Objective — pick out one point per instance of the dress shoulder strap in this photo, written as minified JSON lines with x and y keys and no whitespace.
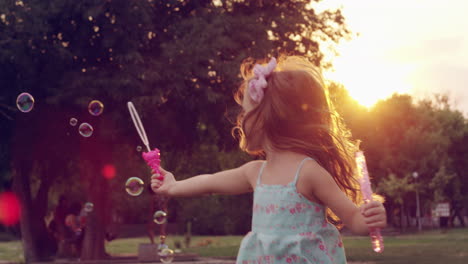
{"x":260,"y":173}
{"x":296,"y":177}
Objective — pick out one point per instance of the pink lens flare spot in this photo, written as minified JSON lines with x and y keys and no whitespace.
{"x":10,"y":209}
{"x":108,"y":171}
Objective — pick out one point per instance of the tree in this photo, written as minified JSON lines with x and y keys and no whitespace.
{"x":396,"y":190}
{"x":458,"y":189}
{"x":176,"y":60}
{"x":402,"y":137}
{"x":449,"y":182}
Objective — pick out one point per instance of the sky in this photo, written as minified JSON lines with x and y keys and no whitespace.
{"x":419,"y":47}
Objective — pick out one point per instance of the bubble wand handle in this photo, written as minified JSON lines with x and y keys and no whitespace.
{"x":152,"y":157}
{"x":364,"y":181}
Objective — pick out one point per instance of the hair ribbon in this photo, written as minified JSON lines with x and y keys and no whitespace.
{"x":258,"y":83}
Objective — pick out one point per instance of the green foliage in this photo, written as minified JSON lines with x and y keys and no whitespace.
{"x":396,"y":188}
{"x":439,"y":184}
{"x":400,"y":136}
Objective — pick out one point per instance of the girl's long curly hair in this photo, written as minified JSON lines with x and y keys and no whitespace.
{"x":297,"y":115}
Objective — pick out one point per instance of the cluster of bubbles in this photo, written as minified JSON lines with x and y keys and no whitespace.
{"x":85,"y":129}
{"x":95,"y":108}
{"x":134,"y":185}
{"x":25,"y":103}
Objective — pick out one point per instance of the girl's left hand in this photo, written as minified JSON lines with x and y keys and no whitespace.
{"x":374,"y":214}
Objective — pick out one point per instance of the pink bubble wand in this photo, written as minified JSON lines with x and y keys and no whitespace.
{"x":152,"y":157}
{"x":364,"y":181}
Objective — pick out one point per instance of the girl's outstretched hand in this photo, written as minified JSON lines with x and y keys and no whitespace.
{"x":374,"y":214}
{"x":161,"y":184}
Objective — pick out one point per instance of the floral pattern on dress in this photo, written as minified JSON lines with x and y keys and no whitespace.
{"x":289,"y":228}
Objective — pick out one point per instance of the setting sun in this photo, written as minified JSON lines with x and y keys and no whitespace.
{"x":366,"y":65}
{"x":367,"y":78}
{"x":399,"y":47}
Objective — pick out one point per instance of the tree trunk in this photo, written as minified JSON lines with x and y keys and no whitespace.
{"x":38,"y":245}
{"x":402,"y":215}
{"x":407,"y":212}
{"x":45,"y":242}
{"x":93,"y":247}
{"x":456,"y":213}
{"x":93,"y":242}
{"x":22,"y":188}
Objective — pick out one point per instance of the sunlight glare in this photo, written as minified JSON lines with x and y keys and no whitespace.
{"x":363,"y":64}
{"x":369,"y":80}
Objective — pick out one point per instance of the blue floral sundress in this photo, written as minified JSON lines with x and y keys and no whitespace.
{"x":289,"y":228}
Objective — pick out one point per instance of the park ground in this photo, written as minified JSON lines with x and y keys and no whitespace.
{"x":433,"y":246}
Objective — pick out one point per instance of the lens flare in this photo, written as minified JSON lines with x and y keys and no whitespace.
{"x":10,"y":209}
{"x":108,"y":171}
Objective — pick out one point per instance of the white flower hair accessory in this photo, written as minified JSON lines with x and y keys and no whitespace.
{"x":258,"y":83}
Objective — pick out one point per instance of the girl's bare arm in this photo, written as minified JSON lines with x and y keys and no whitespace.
{"x":234,"y":181}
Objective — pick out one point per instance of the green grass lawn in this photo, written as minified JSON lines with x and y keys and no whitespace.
{"x":11,"y":251}
{"x":427,"y":247}
{"x":209,"y":246}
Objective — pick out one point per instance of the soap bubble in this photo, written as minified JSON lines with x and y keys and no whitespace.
{"x":73,"y":121}
{"x":166,"y":255}
{"x":86,"y":130}
{"x":139,"y":148}
{"x":134,"y":186}
{"x":162,"y":246}
{"x":25,"y":102}
{"x":95,"y":107}
{"x":88,"y":207}
{"x":160,"y":217}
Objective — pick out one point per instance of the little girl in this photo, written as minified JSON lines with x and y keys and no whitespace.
{"x":308,"y":174}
